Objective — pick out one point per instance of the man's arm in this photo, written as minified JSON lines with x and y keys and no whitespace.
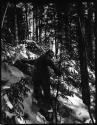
{"x":28,"y":61}
{"x":54,"y":67}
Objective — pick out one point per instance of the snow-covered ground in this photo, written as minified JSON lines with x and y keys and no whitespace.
{"x":79,"y":112}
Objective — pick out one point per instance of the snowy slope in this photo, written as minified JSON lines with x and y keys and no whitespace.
{"x":72,"y":109}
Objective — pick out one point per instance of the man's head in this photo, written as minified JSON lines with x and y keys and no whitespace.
{"x":50,"y":54}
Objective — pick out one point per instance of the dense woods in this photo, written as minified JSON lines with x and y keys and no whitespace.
{"x":29,"y":29}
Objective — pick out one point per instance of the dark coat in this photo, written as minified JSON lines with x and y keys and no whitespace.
{"x":42,"y":70}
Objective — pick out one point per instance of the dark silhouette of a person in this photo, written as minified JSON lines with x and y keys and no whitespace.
{"x":41,"y":75}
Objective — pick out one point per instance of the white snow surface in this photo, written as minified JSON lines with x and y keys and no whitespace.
{"x":80,"y":111}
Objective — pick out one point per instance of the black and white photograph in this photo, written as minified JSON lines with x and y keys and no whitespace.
{"x":48,"y":62}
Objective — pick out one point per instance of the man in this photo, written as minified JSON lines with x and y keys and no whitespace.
{"x":41,"y":76}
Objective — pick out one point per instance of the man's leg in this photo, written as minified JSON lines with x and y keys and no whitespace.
{"x":46,"y":89}
{"x":37,"y":90}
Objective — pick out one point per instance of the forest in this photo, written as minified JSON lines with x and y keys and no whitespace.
{"x":28,"y":30}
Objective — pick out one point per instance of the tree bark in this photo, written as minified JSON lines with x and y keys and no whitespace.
{"x":16,"y":27}
{"x":83,"y":58}
{"x":26,"y":7}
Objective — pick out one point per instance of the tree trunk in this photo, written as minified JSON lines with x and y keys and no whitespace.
{"x":83,"y":59}
{"x":33,"y":25}
{"x":27,"y":29}
{"x":36,"y":23}
{"x":16,"y":27}
{"x":91,"y":20}
{"x":39,"y":30}
{"x":4,"y":15}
